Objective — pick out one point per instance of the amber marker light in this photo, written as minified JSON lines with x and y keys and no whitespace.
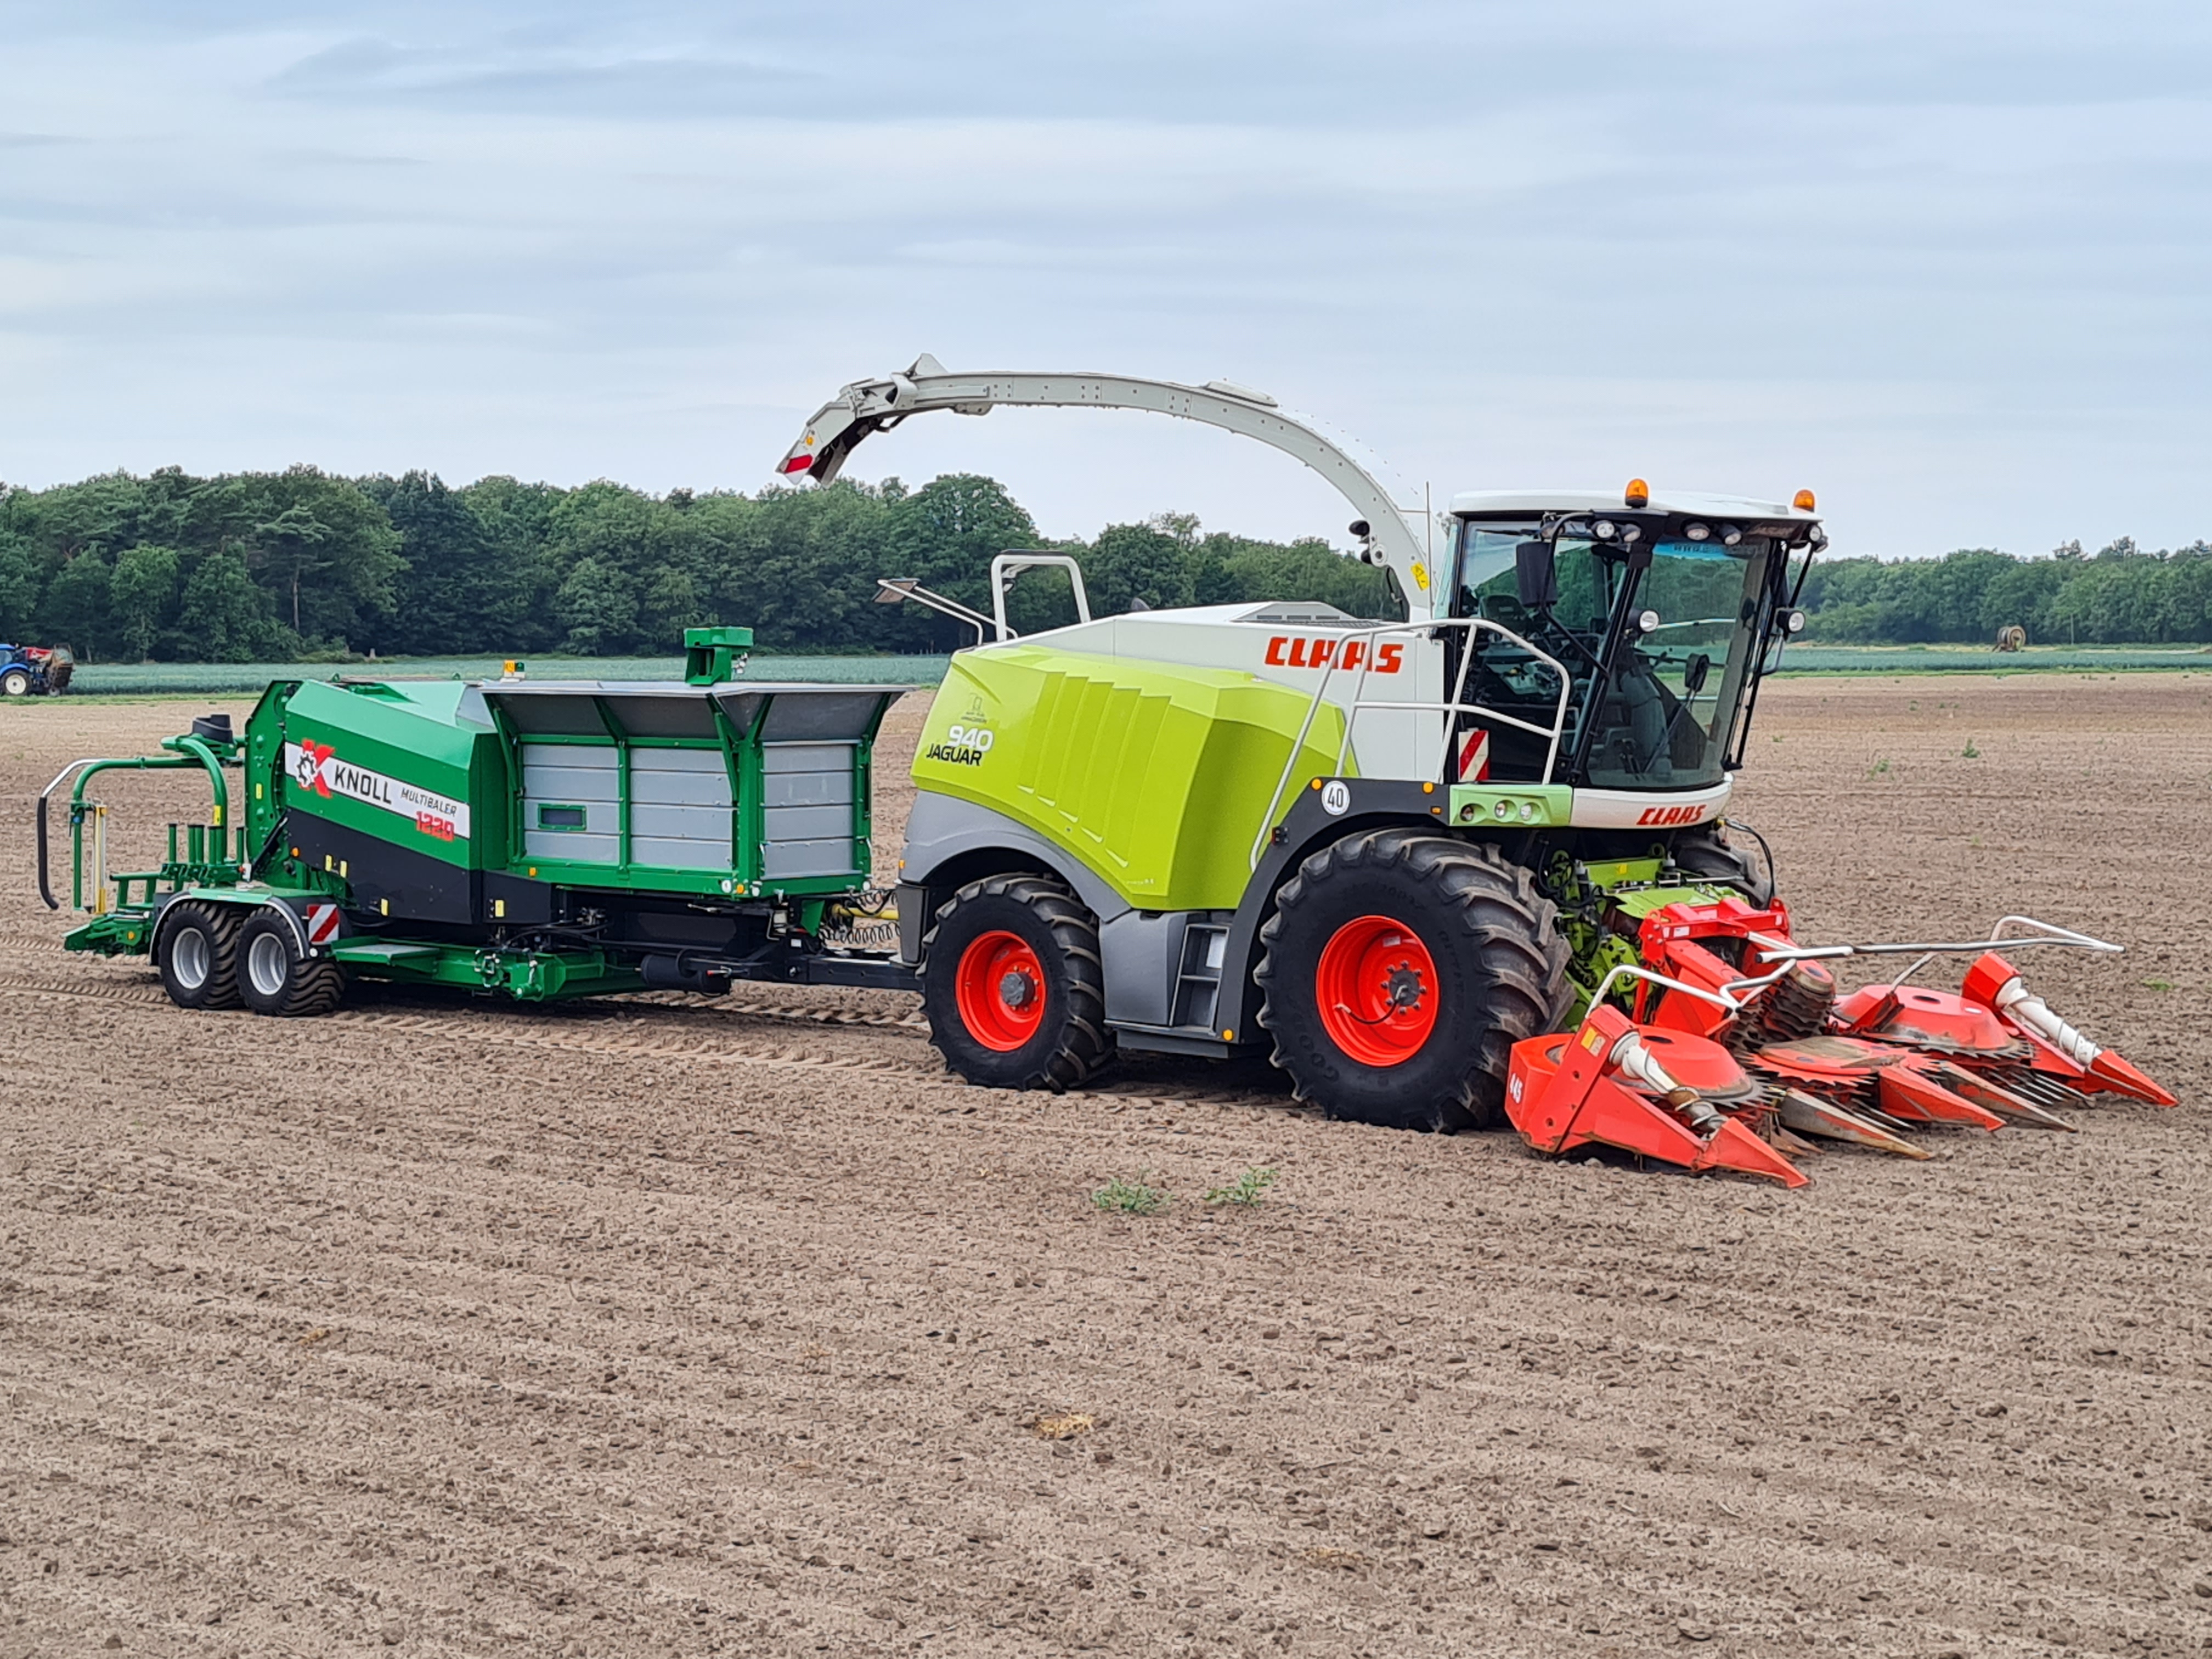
{"x":1638,"y":493}
{"x":1802,"y":500}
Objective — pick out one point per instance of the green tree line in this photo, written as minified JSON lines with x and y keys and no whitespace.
{"x":2119,"y":595}
{"x":281,"y":566}
{"x":303,"y":564}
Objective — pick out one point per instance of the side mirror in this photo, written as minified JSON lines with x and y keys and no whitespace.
{"x":1536,"y":575}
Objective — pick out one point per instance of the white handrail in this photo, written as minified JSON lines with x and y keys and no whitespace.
{"x":2049,"y":933}
{"x":1458,"y":705}
{"x":1719,"y":999}
{"x":1006,"y":566}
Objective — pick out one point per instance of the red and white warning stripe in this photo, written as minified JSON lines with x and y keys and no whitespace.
{"x":1474,"y":757}
{"x":322,"y":923}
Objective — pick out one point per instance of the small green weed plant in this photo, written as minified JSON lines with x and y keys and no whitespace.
{"x":1125,"y":1195}
{"x":1248,"y":1190}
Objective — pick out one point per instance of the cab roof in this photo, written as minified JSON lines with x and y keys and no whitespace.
{"x":1536,"y":501}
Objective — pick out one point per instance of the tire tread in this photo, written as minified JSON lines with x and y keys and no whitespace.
{"x":315,"y":984}
{"x":1705,"y":852}
{"x":319,"y":986}
{"x":1515,"y":931}
{"x":1085,"y":1046}
{"x":220,"y":923}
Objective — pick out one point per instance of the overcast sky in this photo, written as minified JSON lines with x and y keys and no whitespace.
{"x":1944,"y":262}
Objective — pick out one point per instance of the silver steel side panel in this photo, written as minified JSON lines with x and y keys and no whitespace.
{"x":680,"y":809}
{"x":572,"y":774}
{"x":1141,"y":950}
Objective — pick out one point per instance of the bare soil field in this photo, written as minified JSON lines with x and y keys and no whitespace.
{"x":435,"y":1328}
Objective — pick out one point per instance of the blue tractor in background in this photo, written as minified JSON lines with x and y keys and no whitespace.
{"x":33,"y":671}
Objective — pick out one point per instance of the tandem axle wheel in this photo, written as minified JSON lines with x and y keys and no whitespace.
{"x":220,"y":956}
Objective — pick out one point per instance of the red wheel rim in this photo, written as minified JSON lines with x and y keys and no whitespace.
{"x":1377,"y":985}
{"x":1000,"y":989}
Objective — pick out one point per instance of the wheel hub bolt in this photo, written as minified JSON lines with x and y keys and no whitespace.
{"x":1403,"y":988}
{"x":1017,"y":990}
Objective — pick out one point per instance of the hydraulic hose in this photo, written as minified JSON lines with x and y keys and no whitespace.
{"x":46,"y":886}
{"x":45,"y":891}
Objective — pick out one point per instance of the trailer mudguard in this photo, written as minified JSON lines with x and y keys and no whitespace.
{"x":315,"y":919}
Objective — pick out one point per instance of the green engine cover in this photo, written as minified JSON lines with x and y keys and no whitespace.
{"x":1156,"y":777}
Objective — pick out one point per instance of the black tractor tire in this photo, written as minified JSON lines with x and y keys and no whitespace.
{"x":196,"y":952}
{"x":1705,"y":852}
{"x":1013,"y":985}
{"x":1491,"y":941}
{"x":275,"y":979}
{"x":16,"y":682}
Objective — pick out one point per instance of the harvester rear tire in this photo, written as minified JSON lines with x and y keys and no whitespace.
{"x":1471,"y":922}
{"x":275,"y":979}
{"x":16,"y":682}
{"x":196,"y":952}
{"x":1033,"y":935}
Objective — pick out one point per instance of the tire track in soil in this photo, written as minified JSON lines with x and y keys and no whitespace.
{"x":500,"y":1031}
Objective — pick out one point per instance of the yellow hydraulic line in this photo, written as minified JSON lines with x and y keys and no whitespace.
{"x":99,"y":859}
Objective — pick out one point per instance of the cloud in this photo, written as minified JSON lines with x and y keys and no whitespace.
{"x":549,"y":78}
{"x":1942,"y":261}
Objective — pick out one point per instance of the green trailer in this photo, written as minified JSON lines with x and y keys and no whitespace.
{"x":540,"y":839}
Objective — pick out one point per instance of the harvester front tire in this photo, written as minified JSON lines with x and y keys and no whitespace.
{"x":275,"y":979}
{"x":1014,"y":988}
{"x":196,"y":952}
{"x":1460,"y":935}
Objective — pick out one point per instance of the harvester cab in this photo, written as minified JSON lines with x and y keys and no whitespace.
{"x":1432,"y":863}
{"x":1656,"y":617}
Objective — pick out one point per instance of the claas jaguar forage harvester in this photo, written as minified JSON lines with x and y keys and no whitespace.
{"x":1467,"y":864}
{"x":1461,"y":866}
